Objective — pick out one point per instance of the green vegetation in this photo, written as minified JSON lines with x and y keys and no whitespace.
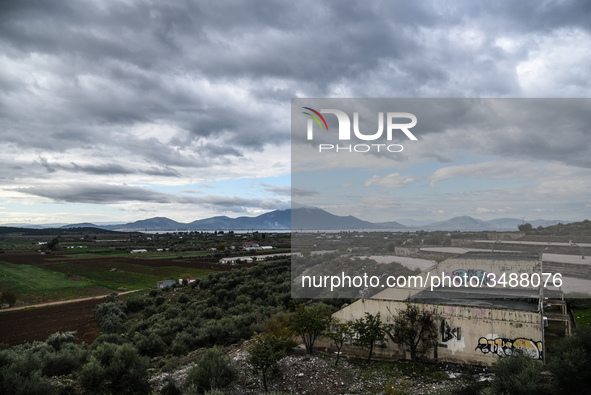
{"x":415,"y":327}
{"x":214,"y":371}
{"x":33,"y":284}
{"x":570,"y":361}
{"x":264,"y":355}
{"x":567,"y":370}
{"x":370,"y":330}
{"x":115,"y":369}
{"x":579,"y":229}
{"x":127,"y":276}
{"x":162,"y":330}
{"x":218,"y":309}
{"x":339,"y":333}
{"x":310,"y":323}
{"x":581,"y":308}
{"x":519,"y":374}
{"x":59,"y":281}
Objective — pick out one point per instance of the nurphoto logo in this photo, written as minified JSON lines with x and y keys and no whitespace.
{"x":344,"y":133}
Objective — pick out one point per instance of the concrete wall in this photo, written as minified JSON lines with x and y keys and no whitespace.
{"x":467,"y":334}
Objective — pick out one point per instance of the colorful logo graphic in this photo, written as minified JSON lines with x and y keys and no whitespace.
{"x":315,"y":118}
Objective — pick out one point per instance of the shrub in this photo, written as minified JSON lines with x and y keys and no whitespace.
{"x":518,"y":374}
{"x":128,"y":372}
{"x":135,"y":305}
{"x":151,"y":345}
{"x":65,"y":361}
{"x":108,"y":338}
{"x":111,"y":315}
{"x":182,"y":344}
{"x":570,"y":361}
{"x":170,"y":389}
{"x":115,"y":369}
{"x":93,"y":377}
{"x":32,"y":383}
{"x":310,"y":323}
{"x":113,"y":297}
{"x":264,"y":355}
{"x":57,"y":339}
{"x":20,"y":374}
{"x":213,"y":371}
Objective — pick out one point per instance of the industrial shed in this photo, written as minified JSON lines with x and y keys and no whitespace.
{"x":476,"y":325}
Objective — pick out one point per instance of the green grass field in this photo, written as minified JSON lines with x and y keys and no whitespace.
{"x":33,"y":284}
{"x":60,"y":281}
{"x":128,"y":276}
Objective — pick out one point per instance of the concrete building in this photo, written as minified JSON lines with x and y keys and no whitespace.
{"x":235,"y":260}
{"x":165,"y":283}
{"x":477,"y":324}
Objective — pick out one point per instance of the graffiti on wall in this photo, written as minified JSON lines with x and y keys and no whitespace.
{"x":450,"y":336}
{"x":504,"y":347}
{"x":448,"y":333}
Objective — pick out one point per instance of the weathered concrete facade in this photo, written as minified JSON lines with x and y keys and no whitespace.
{"x":473,"y":327}
{"x":467,"y":334}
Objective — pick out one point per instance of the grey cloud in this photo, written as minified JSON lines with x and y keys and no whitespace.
{"x":113,"y":194}
{"x":95,"y":193}
{"x":229,"y":202}
{"x":520,"y":129}
{"x":106,"y":169}
{"x":277,"y":190}
{"x":288,"y":190}
{"x":91,"y":70}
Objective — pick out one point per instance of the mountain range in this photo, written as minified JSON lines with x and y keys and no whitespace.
{"x":311,"y":218}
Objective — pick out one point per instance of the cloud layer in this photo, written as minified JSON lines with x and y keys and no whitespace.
{"x":117,"y":103}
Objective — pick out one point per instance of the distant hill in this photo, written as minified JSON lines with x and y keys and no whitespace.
{"x":53,"y":231}
{"x":312,"y":218}
{"x":33,"y":226}
{"x":461,"y":223}
{"x":391,"y":225}
{"x":81,"y":225}
{"x":150,"y":224}
{"x":274,"y":220}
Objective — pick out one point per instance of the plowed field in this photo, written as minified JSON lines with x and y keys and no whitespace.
{"x":22,"y":326}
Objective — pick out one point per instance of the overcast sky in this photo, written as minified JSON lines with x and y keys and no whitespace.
{"x":114,"y":111}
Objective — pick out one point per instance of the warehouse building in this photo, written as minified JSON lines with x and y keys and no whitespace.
{"x":476,"y":324}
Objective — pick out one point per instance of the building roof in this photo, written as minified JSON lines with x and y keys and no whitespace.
{"x":507,"y":298}
{"x":500,"y":256}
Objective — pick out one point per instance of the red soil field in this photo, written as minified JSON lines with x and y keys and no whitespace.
{"x":22,"y":326}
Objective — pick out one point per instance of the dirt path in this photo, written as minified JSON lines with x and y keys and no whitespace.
{"x":59,"y":302}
